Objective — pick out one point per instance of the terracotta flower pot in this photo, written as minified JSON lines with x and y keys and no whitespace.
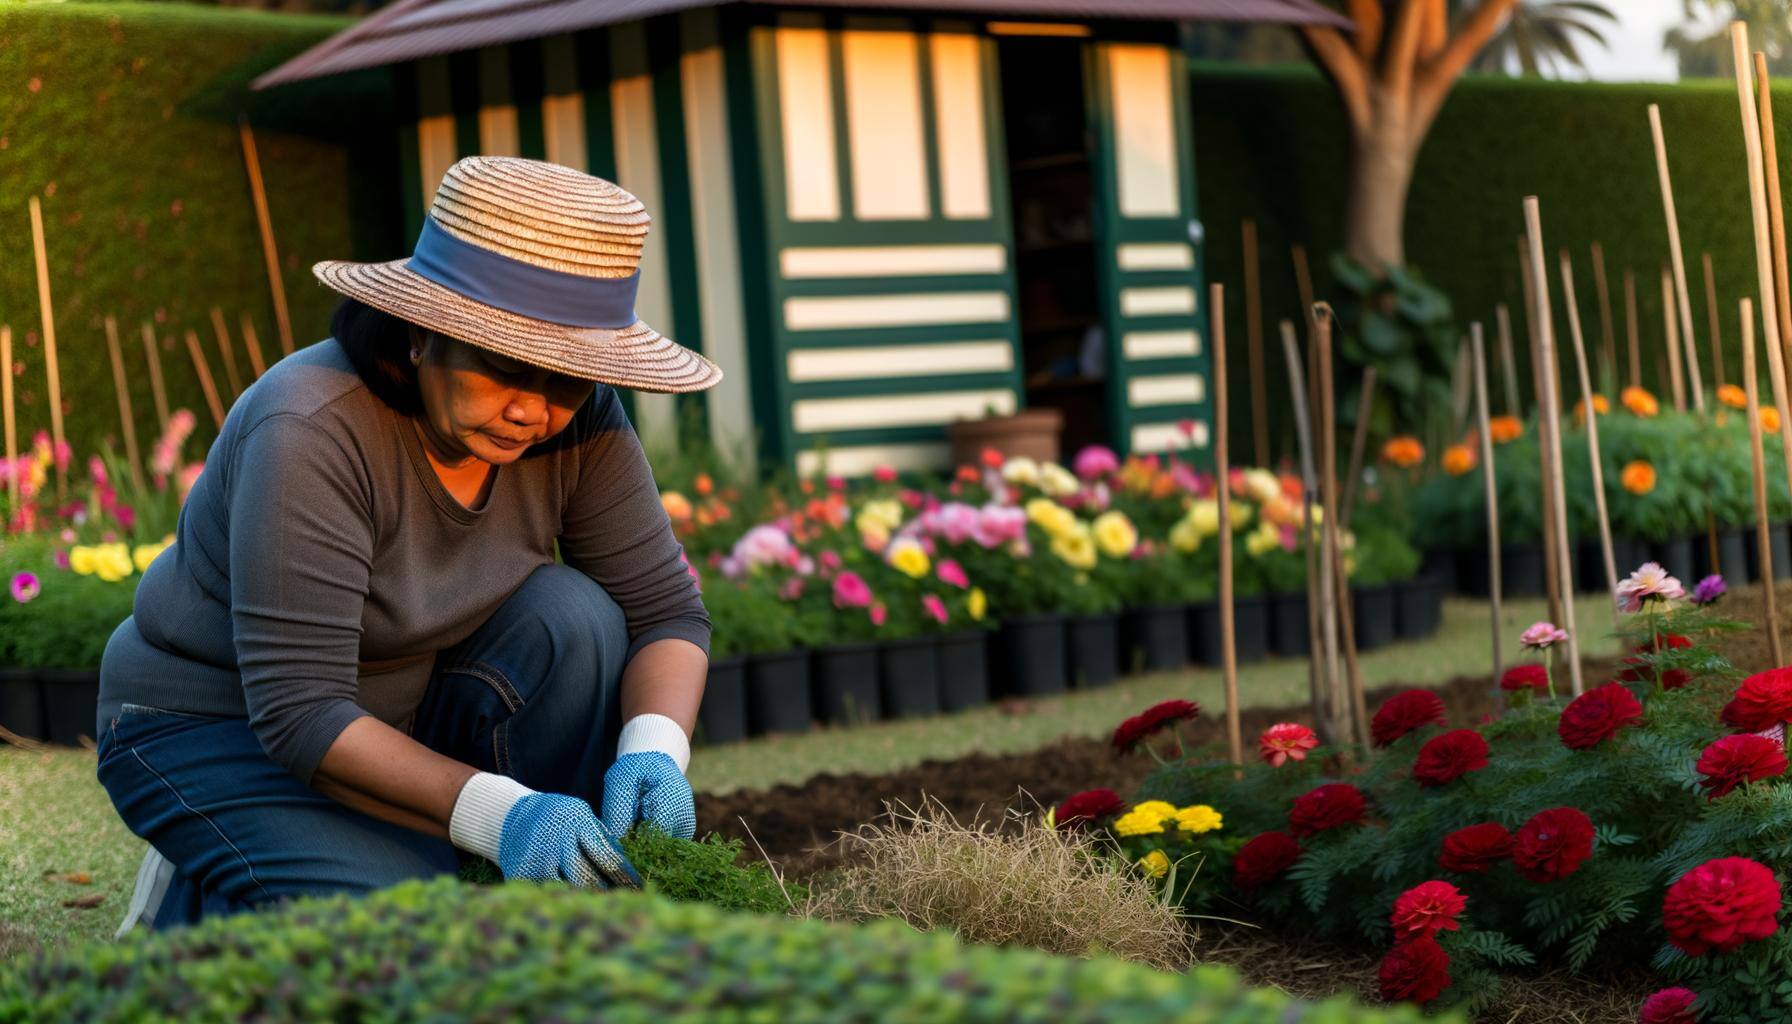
{"x":1032,"y":433}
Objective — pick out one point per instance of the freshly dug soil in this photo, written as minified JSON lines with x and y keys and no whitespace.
{"x":797,"y":825}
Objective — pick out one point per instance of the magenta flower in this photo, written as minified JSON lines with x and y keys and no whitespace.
{"x":830,"y":561}
{"x":791,"y":589}
{"x":61,"y":559}
{"x":25,"y":586}
{"x":999,"y":524}
{"x":884,"y":474}
{"x":1095,"y":462}
{"x":1709,"y":589}
{"x":935,"y":607}
{"x":1543,"y":635}
{"x":878,"y":615}
{"x":951,"y":572}
{"x":1650,"y":582}
{"x":851,"y":591}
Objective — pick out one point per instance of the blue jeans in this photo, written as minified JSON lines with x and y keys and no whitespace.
{"x":532,"y":694}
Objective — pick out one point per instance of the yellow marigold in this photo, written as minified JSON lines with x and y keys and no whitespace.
{"x":1051,"y":517}
{"x":1639,"y":402}
{"x":1458,"y":459}
{"x":1114,"y":534}
{"x":1404,"y":451}
{"x":1146,"y":819}
{"x":1638,"y":477}
{"x":1204,"y":516}
{"x":885,"y":512}
{"x":1770,"y":419}
{"x":909,"y":558}
{"x":1076,"y":547}
{"x":1263,"y":539}
{"x":1198,"y":819}
{"x":977,"y":604}
{"x":1057,"y":481}
{"x":677,"y":506}
{"x":113,"y":562}
{"x":1600,"y":407}
{"x":1505,"y":429}
{"x":1184,"y":537}
{"x":143,"y":554}
{"x":1155,"y":864}
{"x":1732,"y":396}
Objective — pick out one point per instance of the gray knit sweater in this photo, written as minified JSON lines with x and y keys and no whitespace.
{"x":320,"y":564}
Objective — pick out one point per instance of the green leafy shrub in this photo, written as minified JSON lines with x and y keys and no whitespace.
{"x":708,"y":871}
{"x":443,"y":951}
{"x":68,"y":623}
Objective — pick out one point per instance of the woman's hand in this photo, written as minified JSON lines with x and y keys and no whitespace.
{"x":538,"y":836}
{"x":647,"y":781}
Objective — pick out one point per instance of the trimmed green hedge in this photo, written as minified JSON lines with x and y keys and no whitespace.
{"x":443,"y":951}
{"x":121,"y":118}
{"x":1271,"y":144}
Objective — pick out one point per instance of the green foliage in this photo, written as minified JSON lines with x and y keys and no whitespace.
{"x":450,"y":952}
{"x":707,"y":872}
{"x":68,"y":623}
{"x":1404,"y":327}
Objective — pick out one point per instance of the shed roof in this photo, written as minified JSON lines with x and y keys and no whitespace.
{"x":412,"y":29}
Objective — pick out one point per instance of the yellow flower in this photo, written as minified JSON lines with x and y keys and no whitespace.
{"x":1115,"y":534}
{"x":1053,"y":518}
{"x":1145,"y":819}
{"x":873,"y":535}
{"x":113,"y":562}
{"x":1262,"y":485}
{"x":1198,"y":819}
{"x":909,"y":558}
{"x":977,"y":603}
{"x":1057,"y":481}
{"x":1184,"y":537}
{"x":885,"y":512}
{"x":1205,"y":515}
{"x":1076,"y":547}
{"x":1155,"y":864}
{"x":83,"y":559}
{"x":1263,"y":540}
{"x":1021,"y":470}
{"x":143,"y":554}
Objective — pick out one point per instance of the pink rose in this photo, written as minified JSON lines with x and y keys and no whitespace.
{"x":951,"y":572}
{"x":935,"y":607}
{"x":851,"y":591}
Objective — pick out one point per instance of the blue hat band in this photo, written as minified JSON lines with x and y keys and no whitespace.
{"x":522,"y":288}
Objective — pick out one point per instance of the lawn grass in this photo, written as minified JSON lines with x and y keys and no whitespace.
{"x":58,"y":820}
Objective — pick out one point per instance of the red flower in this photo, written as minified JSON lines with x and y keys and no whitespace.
{"x":1088,"y":807}
{"x":1285,"y":741}
{"x":1263,"y":859}
{"x":1665,"y":642}
{"x":1552,"y":844}
{"x":1669,"y":1006}
{"x":1476,"y":848}
{"x":1426,"y":909}
{"x":1720,"y":905}
{"x":1734,"y":760}
{"x":1525,"y":677}
{"x":1450,"y":756}
{"x":1763,"y":701}
{"x":1136,"y":729}
{"x":1418,"y":970}
{"x":1405,"y":712}
{"x":1597,"y":715}
{"x":1329,"y":806}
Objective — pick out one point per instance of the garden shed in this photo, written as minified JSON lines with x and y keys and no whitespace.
{"x":878,"y":220}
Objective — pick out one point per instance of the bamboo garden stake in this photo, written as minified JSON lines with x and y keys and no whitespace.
{"x":205,"y":378}
{"x":1632,"y":331}
{"x":1303,"y":433}
{"x":1776,"y":210}
{"x":1353,"y":672}
{"x":1328,"y":496}
{"x":1763,"y":536}
{"x":51,"y":368}
{"x":1216,"y":310}
{"x":125,"y":418}
{"x":1586,"y":396}
{"x":1551,"y":580}
{"x":1303,"y":282}
{"x":1671,"y":336}
{"x":12,"y":429}
{"x":154,"y":356}
{"x":1717,"y":335}
{"x":1608,"y":341}
{"x":1508,"y":364}
{"x":270,"y":256}
{"x":1253,"y":339}
{"x":253,"y":344}
{"x":229,"y":354}
{"x":1679,"y":260}
{"x":1552,"y":412}
{"x":1492,"y":489}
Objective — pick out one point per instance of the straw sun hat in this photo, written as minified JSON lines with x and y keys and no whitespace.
{"x":538,"y":262}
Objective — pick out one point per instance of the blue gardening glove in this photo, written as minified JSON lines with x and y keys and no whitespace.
{"x":538,"y":836}
{"x":647,"y":781}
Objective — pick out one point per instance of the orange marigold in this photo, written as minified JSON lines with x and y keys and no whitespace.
{"x":1732,"y":396}
{"x":1639,"y":402}
{"x":1600,"y":406}
{"x":703,"y":485}
{"x":1458,"y":459}
{"x":1770,"y":419}
{"x":677,"y":506}
{"x":1638,"y":477}
{"x":1404,"y":451}
{"x":1505,"y":429}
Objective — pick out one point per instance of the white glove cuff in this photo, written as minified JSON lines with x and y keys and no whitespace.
{"x":655,"y":733}
{"x":479,"y":812}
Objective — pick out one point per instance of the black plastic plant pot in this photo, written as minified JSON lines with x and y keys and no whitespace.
{"x":911,"y":676}
{"x":722,"y":718}
{"x":1288,"y":625}
{"x":845,"y":682}
{"x":71,"y":699}
{"x":1373,"y":611}
{"x":964,"y":670}
{"x":1676,"y":555}
{"x":778,"y":692}
{"x":1156,"y":637}
{"x":1779,"y":535}
{"x":22,"y":703}
{"x":1521,"y":570}
{"x":1095,"y":649}
{"x":1419,"y":607}
{"x":1030,"y":653}
{"x":1441,"y":563}
{"x":1250,"y":624}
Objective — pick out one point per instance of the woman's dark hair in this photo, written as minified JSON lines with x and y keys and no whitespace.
{"x":379,"y":345}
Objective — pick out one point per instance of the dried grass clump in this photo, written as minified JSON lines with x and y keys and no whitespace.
{"x":1031,"y":886}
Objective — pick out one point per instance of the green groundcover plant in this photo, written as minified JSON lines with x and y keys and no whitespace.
{"x":445,"y":951}
{"x":1641,"y":822}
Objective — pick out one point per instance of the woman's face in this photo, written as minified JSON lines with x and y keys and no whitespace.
{"x":487,"y":406}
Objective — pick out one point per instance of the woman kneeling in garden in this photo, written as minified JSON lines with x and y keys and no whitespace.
{"x":361,"y":653}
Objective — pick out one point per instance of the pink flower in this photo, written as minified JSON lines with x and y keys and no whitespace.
{"x":25,"y":586}
{"x":955,"y":521}
{"x":763,"y":545}
{"x":998,"y":525}
{"x":61,"y":559}
{"x":935,"y":607}
{"x":1284,"y":742}
{"x":836,"y":483}
{"x":884,"y":474}
{"x":188,"y":477}
{"x":791,"y":589}
{"x":1650,"y":582}
{"x":878,"y":615}
{"x":1095,"y":462}
{"x":1187,"y":427}
{"x":1543,"y":635}
{"x":953,"y":573}
{"x":830,"y":561}
{"x":851,"y":591}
